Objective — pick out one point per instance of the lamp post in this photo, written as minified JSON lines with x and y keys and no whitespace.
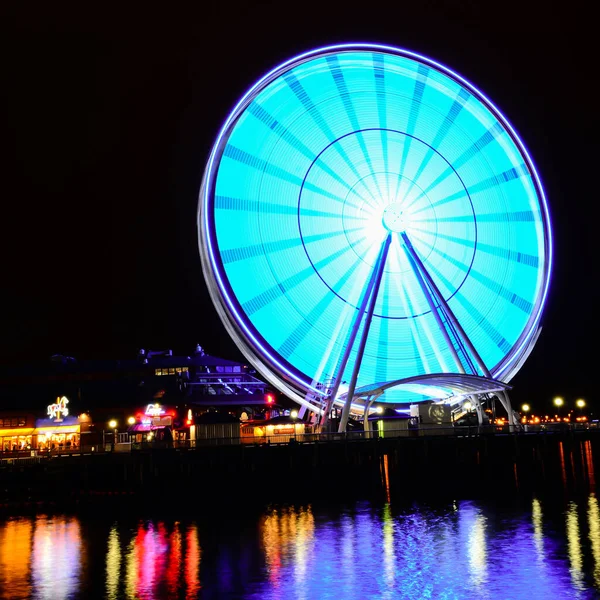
{"x":113,"y":425}
{"x":558,"y":402}
{"x":580,"y":403}
{"x":525,"y":408}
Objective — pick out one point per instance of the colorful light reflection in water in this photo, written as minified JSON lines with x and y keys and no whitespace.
{"x":458,"y":550}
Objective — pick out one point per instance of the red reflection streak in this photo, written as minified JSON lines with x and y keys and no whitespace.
{"x":160,"y":548}
{"x":140,"y":554}
{"x":192,"y":563}
{"x":150,"y":546}
{"x":590,"y":463}
{"x":562,"y":463}
{"x":174,"y":564}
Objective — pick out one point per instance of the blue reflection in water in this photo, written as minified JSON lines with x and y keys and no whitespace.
{"x":452,"y":553}
{"x":460,"y":550}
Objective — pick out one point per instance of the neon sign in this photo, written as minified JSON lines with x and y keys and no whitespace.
{"x":155,"y":410}
{"x":59,"y":408}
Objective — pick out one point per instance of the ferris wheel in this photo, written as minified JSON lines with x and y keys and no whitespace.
{"x":369,"y":219}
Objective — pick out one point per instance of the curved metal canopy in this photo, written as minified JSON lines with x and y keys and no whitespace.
{"x":442,"y":386}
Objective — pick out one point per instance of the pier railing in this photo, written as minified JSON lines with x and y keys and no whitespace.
{"x":34,"y":456}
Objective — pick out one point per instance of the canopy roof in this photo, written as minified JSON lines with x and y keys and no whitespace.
{"x":435,"y":386}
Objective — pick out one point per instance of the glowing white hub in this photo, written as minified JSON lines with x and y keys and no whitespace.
{"x":393,"y":217}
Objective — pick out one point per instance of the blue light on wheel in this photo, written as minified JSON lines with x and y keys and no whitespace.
{"x":319,"y":161}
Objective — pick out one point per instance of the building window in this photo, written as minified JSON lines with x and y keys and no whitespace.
{"x":171,"y":371}
{"x":13,"y":422}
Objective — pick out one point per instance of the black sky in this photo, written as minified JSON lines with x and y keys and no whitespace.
{"x":109,"y":116}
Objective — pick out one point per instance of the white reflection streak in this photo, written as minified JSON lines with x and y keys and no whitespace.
{"x":538,"y":534}
{"x":303,"y":543}
{"x":477,"y":551}
{"x":113,"y":564}
{"x":56,"y":558}
{"x":594,"y":534}
{"x":304,"y":537}
{"x":389,"y":556}
{"x":574,"y":546}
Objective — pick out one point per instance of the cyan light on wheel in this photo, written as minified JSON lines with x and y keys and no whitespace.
{"x":322,"y":161}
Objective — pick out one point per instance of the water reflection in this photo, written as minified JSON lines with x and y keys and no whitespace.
{"x":15,"y":550}
{"x":113,"y":564}
{"x":288,"y":531}
{"x":574,"y":545}
{"x":474,"y":521}
{"x":594,"y":534}
{"x":56,"y":558}
{"x":456,"y":550}
{"x":192,"y":563}
{"x":538,"y":534}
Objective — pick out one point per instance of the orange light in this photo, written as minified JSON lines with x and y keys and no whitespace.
{"x":270,"y":398}
{"x":188,"y":421}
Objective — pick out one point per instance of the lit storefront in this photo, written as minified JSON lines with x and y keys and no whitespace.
{"x":57,"y":432}
{"x":277,"y":430}
{"x":154,"y":422}
{"x":16,"y":431}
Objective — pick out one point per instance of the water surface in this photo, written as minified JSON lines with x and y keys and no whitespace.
{"x":458,"y":549}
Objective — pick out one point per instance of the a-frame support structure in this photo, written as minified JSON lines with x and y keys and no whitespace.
{"x":464,"y":354}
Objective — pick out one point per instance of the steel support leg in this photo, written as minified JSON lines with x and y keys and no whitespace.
{"x":365,"y":334}
{"x":478,"y":408}
{"x":505,"y":400}
{"x":355,"y":327}
{"x":433,"y":307}
{"x":447,"y":310}
{"x":367,"y":425}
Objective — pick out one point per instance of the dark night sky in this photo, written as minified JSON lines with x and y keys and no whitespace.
{"x":110,"y":116}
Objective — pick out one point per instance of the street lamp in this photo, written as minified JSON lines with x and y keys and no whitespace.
{"x":131,"y":420}
{"x":580,"y":403}
{"x":294,"y":414}
{"x":558,"y":402}
{"x":525,"y":408}
{"x":113,"y":425}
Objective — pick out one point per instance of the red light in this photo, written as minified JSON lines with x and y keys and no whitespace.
{"x":270,"y":398}
{"x":188,"y":421}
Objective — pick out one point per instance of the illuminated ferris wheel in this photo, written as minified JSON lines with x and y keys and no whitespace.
{"x":368,"y":218}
